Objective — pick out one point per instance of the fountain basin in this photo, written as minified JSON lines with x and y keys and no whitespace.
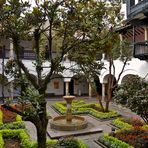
{"x":60,"y":123}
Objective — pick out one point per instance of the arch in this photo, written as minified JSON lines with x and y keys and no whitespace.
{"x":98,"y":85}
{"x":106,"y":81}
{"x":103,"y":75}
{"x":126,"y":77}
{"x":106,"y":77}
{"x":127,"y":72}
{"x":79,"y":85}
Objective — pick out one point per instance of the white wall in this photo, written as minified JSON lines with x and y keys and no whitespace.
{"x":6,"y":91}
{"x":51,"y":90}
{"x":135,"y":67}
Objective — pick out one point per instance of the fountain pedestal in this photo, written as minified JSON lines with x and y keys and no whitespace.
{"x":68,"y":122}
{"x":69,"y":111}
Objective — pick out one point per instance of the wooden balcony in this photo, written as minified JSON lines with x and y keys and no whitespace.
{"x":141,"y":50}
{"x":138,"y":12}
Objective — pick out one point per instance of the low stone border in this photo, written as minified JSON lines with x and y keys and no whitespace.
{"x":100,"y":144}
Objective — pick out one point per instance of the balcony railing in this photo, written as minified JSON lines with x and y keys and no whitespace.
{"x":26,"y":54}
{"x":141,"y":50}
{"x":141,"y":7}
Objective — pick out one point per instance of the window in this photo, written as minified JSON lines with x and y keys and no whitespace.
{"x":56,"y":84}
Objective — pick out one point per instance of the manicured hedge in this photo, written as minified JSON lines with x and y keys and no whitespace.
{"x":119,"y":123}
{"x":112,"y":142}
{"x":86,"y":109}
{"x":24,"y":138}
{"x":145,"y":127}
{"x":70,"y":142}
{"x":27,"y":143}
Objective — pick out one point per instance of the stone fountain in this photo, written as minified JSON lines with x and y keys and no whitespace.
{"x":68,"y":122}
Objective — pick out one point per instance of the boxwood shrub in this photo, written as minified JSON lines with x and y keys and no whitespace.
{"x":119,"y":123}
{"x":112,"y":142}
{"x":27,"y":143}
{"x":71,"y":142}
{"x":86,"y":109}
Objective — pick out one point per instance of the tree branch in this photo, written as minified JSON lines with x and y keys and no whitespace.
{"x":28,"y":75}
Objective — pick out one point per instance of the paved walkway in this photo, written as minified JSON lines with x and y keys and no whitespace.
{"x":89,"y":138}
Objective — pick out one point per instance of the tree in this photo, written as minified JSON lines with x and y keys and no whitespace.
{"x":67,"y":25}
{"x":133,"y":93}
{"x":103,"y":38}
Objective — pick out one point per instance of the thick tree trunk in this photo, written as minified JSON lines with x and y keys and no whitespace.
{"x":41,"y":136}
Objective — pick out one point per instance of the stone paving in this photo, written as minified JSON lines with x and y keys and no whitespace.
{"x":90,"y":136}
{"x":93,"y":127}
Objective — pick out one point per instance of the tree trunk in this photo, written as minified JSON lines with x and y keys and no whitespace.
{"x":109,"y":97}
{"x":41,"y":136}
{"x":42,"y":124}
{"x":107,"y":106}
{"x":100,"y":102}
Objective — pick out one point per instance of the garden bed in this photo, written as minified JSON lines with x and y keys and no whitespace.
{"x":17,"y":124}
{"x":79,"y":107}
{"x":128,"y":123}
{"x":12,"y":143}
{"x":112,"y":142}
{"x":132,"y":133}
{"x":22,"y":140}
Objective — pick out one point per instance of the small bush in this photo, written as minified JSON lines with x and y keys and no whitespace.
{"x":113,"y":142}
{"x":119,"y":123}
{"x":70,"y":142}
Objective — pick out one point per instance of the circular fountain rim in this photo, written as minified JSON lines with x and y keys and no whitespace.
{"x":68,"y":127}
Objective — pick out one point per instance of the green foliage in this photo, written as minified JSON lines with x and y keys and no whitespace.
{"x":1,"y":117}
{"x":32,"y":98}
{"x":71,"y":142}
{"x":145,"y":127}
{"x":84,"y":108}
{"x":72,"y":25}
{"x":1,"y":141}
{"x":24,"y":137}
{"x":14,"y":125}
{"x":113,"y":142}
{"x":135,"y":136}
{"x":121,"y":124}
{"x":134,"y":94}
{"x":27,"y":143}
